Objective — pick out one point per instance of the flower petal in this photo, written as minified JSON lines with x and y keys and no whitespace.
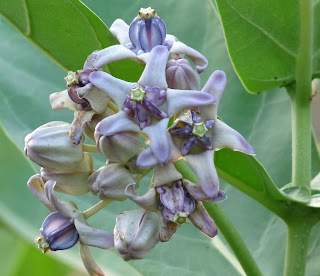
{"x":110,"y":54}
{"x":61,"y":100}
{"x":180,"y":99}
{"x":165,"y":174}
{"x":159,"y":140}
{"x":146,"y":159}
{"x":168,"y":228}
{"x":64,"y":208}
{"x":201,"y":219}
{"x":35,"y":185}
{"x":154,"y":73}
{"x":120,"y":29}
{"x":214,"y":86}
{"x":94,"y":237}
{"x":203,"y":166}
{"x":116,"y":123}
{"x":198,"y":59}
{"x":226,"y":137}
{"x":115,"y":88}
{"x":148,"y":201}
{"x":197,"y":193}
{"x":97,"y":99}
{"x":77,"y":125}
{"x":88,"y":261}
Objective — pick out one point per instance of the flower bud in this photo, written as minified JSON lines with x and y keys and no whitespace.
{"x":89,"y":127}
{"x":57,"y":233}
{"x":135,"y":234}
{"x":110,"y":182}
{"x":146,"y":31}
{"x":74,"y":182}
{"x":49,"y":146}
{"x":120,"y":147}
{"x":180,"y":75}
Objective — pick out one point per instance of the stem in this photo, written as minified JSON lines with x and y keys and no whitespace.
{"x":234,"y":239}
{"x":297,"y":248}
{"x":96,"y":208}
{"x":90,"y":148}
{"x":301,"y":105}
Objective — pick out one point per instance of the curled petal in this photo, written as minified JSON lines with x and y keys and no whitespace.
{"x":76,"y":127}
{"x":120,"y":29}
{"x":97,"y":99}
{"x":226,"y":137}
{"x":180,"y":99}
{"x":159,"y":140}
{"x":110,"y":54}
{"x":167,"y":229}
{"x":201,"y":219}
{"x":94,"y":237}
{"x":64,"y":208}
{"x":187,"y":144}
{"x":205,"y":142}
{"x":88,"y":261}
{"x":203,"y":166}
{"x":154,"y":109}
{"x":35,"y":185}
{"x":61,"y":100}
{"x":115,"y":88}
{"x":116,"y":123}
{"x":154,"y":72}
{"x":197,"y":193}
{"x":148,"y":201}
{"x":198,"y":59}
{"x":214,"y":86}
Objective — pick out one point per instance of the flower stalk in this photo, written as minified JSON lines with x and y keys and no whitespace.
{"x":96,"y":208}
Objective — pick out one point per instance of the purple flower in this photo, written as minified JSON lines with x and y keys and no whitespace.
{"x":173,"y":203}
{"x":136,"y":41}
{"x":66,"y":225}
{"x":195,"y":137}
{"x":147,"y":105}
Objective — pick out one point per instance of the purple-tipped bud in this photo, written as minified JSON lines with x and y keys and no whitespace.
{"x":120,"y":147}
{"x":181,"y":75}
{"x":57,"y":233}
{"x":73,"y":182}
{"x":110,"y":182}
{"x":50,"y":147}
{"x":135,"y":234}
{"x":146,"y":31}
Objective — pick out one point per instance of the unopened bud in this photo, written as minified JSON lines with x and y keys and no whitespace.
{"x":146,"y":31}
{"x":57,"y":233}
{"x":110,"y":182}
{"x":120,"y":147}
{"x":74,"y":182}
{"x":135,"y":234}
{"x":180,"y":75}
{"x":89,"y":127}
{"x":50,"y":147}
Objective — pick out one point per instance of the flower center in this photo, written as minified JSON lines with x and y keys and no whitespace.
{"x":181,"y":217}
{"x":72,"y":78}
{"x":42,"y":244}
{"x":146,"y":13}
{"x":138,"y":94}
{"x":199,"y":129}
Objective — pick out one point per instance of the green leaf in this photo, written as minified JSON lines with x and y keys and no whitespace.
{"x":265,"y":56}
{"x":263,"y":120}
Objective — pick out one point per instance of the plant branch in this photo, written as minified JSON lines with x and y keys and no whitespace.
{"x":90,"y":148}
{"x":234,"y":239}
{"x":301,"y":105}
{"x":96,"y":208}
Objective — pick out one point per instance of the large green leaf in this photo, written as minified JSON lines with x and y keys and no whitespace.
{"x":263,"y":120}
{"x":263,"y":40}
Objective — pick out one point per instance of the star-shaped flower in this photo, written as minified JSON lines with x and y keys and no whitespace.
{"x":146,"y":106}
{"x":198,"y":151}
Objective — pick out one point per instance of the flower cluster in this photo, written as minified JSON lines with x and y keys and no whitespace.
{"x":163,"y":118}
